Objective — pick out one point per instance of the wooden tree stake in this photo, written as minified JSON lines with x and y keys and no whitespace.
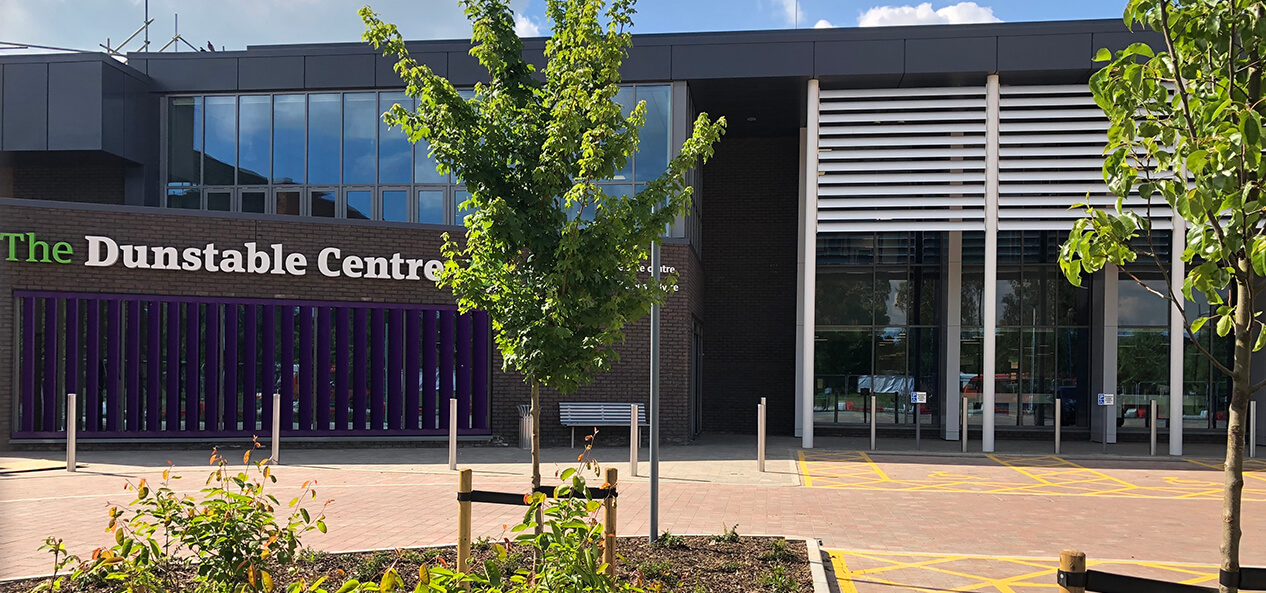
{"x":1072,"y":561}
{"x":608,"y":521}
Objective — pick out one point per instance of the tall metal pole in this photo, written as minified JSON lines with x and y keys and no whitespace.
{"x":988,"y":349}
{"x":654,"y":412}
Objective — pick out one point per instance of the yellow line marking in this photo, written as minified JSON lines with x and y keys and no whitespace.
{"x":841,"y":572}
{"x":804,"y":470}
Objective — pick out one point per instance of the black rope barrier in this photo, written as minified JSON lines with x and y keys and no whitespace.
{"x":519,"y":499}
{"x":1247,"y":579}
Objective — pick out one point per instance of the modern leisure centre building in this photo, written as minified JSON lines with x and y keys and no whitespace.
{"x":186,"y":234}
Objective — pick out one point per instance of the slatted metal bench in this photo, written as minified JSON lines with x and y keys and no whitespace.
{"x":575,"y":414}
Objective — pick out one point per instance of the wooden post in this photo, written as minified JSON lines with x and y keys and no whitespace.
{"x":464,"y":486}
{"x":1072,"y":561}
{"x":608,"y":521}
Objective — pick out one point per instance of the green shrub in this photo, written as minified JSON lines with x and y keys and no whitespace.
{"x":670,"y":541}
{"x":777,"y":581}
{"x":373,"y":566}
{"x":658,"y":570}
{"x":728,"y":535}
{"x":779,"y":551}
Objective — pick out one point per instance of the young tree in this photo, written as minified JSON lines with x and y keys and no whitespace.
{"x":548,"y":253}
{"x":1186,"y":128}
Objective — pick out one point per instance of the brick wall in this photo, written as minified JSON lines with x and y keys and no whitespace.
{"x":628,"y":381}
{"x":92,"y":183}
{"x":750,"y":212}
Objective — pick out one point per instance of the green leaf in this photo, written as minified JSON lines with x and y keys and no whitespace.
{"x":1198,"y":323}
{"x":1261,"y":340}
{"x":1103,"y":55}
{"x":1196,"y":160}
{"x":1226,"y":323}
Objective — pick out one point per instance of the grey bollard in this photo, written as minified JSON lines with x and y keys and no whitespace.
{"x":72,"y":430}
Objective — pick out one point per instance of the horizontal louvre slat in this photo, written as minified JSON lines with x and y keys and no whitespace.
{"x":901,"y":202}
{"x":973,"y":140}
{"x":888,"y":105}
{"x":1054,"y":114}
{"x":900,"y":165}
{"x":1072,"y":163}
{"x":1051,"y":126}
{"x":1099,"y":140}
{"x":900,"y":190}
{"x":898,"y":214}
{"x":1084,"y":175}
{"x":1092,"y":151}
{"x":901,"y":154}
{"x":901,"y":225}
{"x":902,"y":178}
{"x":890,"y":130}
{"x":1068,"y":100}
{"x":900,"y":116}
{"x":1044,"y":89}
{"x":953,"y":91}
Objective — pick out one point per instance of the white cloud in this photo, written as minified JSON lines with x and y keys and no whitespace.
{"x":923,"y":14}
{"x":524,"y":27}
{"x":823,"y":24}
{"x":789,"y":10}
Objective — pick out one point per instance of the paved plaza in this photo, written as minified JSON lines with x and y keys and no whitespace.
{"x":928,"y":520}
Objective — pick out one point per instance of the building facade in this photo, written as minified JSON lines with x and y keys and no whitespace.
{"x":187,"y":234}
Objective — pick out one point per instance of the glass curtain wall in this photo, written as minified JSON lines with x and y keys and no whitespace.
{"x":877,"y":316}
{"x":329,"y":155}
{"x":1043,"y":333}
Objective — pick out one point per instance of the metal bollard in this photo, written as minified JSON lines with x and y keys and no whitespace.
{"x":1059,"y":422}
{"x":635,"y":439}
{"x":873,"y":414}
{"x":452,"y":434}
{"x":1152,"y":422}
{"x":72,"y":430}
{"x":760,"y":436}
{"x":963,"y":438}
{"x":276,"y":428}
{"x":1252,"y":429}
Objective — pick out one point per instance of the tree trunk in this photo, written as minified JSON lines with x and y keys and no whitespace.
{"x":536,"y":446}
{"x":1241,"y":379}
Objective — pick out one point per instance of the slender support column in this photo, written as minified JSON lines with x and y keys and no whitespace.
{"x":72,"y":430}
{"x":760,"y":436}
{"x":1059,"y":423}
{"x":634,"y":439}
{"x":653,"y":415}
{"x":276,"y":428}
{"x":987,"y":408}
{"x":452,"y":434}
{"x":1177,"y":340}
{"x":964,"y":434}
{"x":953,"y":334}
{"x":1151,"y":421}
{"x":1103,"y":352}
{"x":800,"y":293}
{"x":873,"y":415}
{"x":809,"y":247}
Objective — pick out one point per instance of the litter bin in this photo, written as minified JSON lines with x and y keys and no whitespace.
{"x":525,"y":426}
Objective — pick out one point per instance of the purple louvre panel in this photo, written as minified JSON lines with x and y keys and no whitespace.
{"x":447,"y":370}
{"x":92,"y":366}
{"x":230,"y":368}
{"x":323,"y":369}
{"x":377,"y":364}
{"x":342,"y":349}
{"x":172,"y":366}
{"x":268,"y":378}
{"x":463,"y":370}
{"x":211,"y":371}
{"x":154,"y":366}
{"x":72,"y":353}
{"x":250,"y":358}
{"x":27,"y":420}
{"x":113,"y":336}
{"x":412,"y":378}
{"x":305,"y":369}
{"x":132,"y":366}
{"x":359,"y":380}
{"x":48,"y":420}
{"x":430,"y":371}
{"x":479,"y":370}
{"x":286,"y":344}
{"x":395,"y":359}
{"x":193,"y":398}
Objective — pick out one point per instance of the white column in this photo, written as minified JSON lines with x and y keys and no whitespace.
{"x":991,"y":262}
{"x":809,"y":246}
{"x":1176,"y":342}
{"x":800,"y":378}
{"x":1103,"y":352}
{"x":952,"y":393}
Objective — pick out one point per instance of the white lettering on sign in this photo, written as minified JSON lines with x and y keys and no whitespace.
{"x":104,"y":252}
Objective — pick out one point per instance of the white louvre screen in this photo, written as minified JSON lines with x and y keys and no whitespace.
{"x":901,"y":159}
{"x":1051,"y":157}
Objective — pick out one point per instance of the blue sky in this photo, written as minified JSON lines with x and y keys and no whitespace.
{"x":234,"y":24}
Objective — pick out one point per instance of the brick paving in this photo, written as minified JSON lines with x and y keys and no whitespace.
{"x":404,"y":497}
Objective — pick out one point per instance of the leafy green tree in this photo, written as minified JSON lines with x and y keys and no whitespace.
{"x":554,"y":259}
{"x":1186,"y":128}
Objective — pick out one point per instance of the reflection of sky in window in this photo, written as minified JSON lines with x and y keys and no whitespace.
{"x":424,"y":165}
{"x":221,"y":134}
{"x":394,"y":150}
{"x":395,"y":205}
{"x":289,"y":119}
{"x":254,"y":139}
{"x":652,"y":155}
{"x":324,"y":122}
{"x":184,"y":140}
{"x":896,"y":311}
{"x":431,"y":206}
{"x":625,"y":97}
{"x":1137,"y":306}
{"x":360,"y":128}
{"x":360,"y":204}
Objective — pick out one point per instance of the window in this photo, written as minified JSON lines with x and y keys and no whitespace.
{"x":330,"y":155}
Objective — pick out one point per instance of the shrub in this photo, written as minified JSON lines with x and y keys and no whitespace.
{"x":670,"y":541}
{"x":658,"y":570}
{"x":779,"y":551}
{"x":777,"y":581}
{"x":728,"y":535}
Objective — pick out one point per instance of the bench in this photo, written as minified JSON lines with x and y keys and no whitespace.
{"x":575,"y":414}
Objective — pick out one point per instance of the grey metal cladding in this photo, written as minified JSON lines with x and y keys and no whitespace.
{"x":1070,"y":51}
{"x":385,"y":67}
{"x":194,"y":74}
{"x":951,"y":55}
{"x":114,"y":111}
{"x":25,"y":107}
{"x":76,"y":96}
{"x":141,"y":117}
{"x":1123,"y":39}
{"x":648,"y":63}
{"x":270,"y":73}
{"x":348,"y":71}
{"x":464,"y":69}
{"x":870,"y":57}
{"x":743,"y":60}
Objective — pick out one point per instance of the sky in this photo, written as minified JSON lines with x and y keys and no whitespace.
{"x":234,"y":24}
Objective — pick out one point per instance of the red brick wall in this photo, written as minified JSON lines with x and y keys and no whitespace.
{"x":750,"y":212}
{"x":628,"y":381}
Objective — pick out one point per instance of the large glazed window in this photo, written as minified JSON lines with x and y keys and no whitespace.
{"x":338,"y":159}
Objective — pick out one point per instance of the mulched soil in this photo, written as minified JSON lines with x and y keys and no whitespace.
{"x":692,"y":564}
